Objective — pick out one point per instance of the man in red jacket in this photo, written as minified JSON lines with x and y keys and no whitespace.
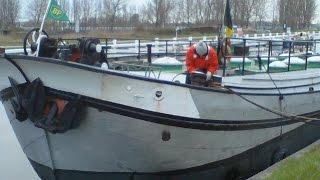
{"x":203,"y":58}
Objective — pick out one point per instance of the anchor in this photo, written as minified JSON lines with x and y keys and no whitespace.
{"x":20,"y":112}
{"x":69,"y":118}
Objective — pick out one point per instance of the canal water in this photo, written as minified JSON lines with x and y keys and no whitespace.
{"x":13,"y":163}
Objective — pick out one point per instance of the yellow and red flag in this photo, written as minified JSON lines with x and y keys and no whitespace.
{"x":228,"y":21}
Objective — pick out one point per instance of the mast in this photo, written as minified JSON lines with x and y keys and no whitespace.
{"x":45,"y":15}
{"x":41,"y":27}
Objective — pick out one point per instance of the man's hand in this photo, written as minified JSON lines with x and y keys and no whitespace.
{"x":209,"y":76}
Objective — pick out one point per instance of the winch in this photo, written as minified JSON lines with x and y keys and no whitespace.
{"x":86,"y":51}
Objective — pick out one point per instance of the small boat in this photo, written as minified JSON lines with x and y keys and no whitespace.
{"x":284,"y":56}
{"x":76,"y":120}
{"x":314,"y":62}
{"x":295,"y":63}
{"x":278,"y":66}
{"x":168,"y":64}
{"x":237,"y":62}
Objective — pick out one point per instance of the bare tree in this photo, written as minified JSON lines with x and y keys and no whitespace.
{"x":112,"y":9}
{"x":188,"y":10}
{"x":36,"y":9}
{"x":161,"y":11}
{"x":170,"y":13}
{"x":297,"y":14}
{"x":9,"y":11}
{"x":178,"y":14}
{"x":260,"y":12}
{"x":146,"y":12}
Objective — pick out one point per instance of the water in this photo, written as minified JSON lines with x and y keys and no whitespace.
{"x":13,"y":163}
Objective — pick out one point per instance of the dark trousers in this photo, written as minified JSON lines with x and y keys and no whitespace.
{"x":188,"y":78}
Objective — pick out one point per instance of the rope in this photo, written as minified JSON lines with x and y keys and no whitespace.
{"x":307,"y":120}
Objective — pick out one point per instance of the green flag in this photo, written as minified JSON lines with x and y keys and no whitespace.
{"x":228,"y":20}
{"x":56,"y":13}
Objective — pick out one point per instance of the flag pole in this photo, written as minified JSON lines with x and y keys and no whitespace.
{"x":45,"y":15}
{"x":41,"y":27}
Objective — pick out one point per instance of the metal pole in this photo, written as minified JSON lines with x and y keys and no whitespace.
{"x":225,"y":58}
{"x":259,"y":49}
{"x":166,"y":47}
{"x":306,"y":66}
{"x":244,"y":56}
{"x":107,"y":48}
{"x":139,"y":50}
{"x":269,"y":54}
{"x":290,"y":47}
{"x":271,"y":47}
{"x":41,"y":27}
{"x":44,"y":18}
{"x":149,"y":47}
{"x":259,"y":60}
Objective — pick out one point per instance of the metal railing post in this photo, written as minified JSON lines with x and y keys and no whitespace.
{"x":225,"y":58}
{"x":244,"y":56}
{"x":139,"y":49}
{"x":149,"y":47}
{"x":107,"y":48}
{"x":259,"y":60}
{"x":259,"y":49}
{"x":289,"y":62}
{"x":269,"y":54}
{"x":271,"y":47}
{"x":166,"y":47}
{"x":307,"y":56}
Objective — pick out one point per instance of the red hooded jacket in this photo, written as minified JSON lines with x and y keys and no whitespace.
{"x":208,"y":63}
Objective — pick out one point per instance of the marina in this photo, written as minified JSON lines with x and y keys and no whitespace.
{"x":110,"y":100}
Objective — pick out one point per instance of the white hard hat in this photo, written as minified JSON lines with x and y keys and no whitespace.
{"x":202,"y":48}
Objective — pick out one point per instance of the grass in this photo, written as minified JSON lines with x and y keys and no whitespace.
{"x":150,"y":35}
{"x":11,"y":40}
{"x":306,"y":167}
{"x":16,"y":38}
